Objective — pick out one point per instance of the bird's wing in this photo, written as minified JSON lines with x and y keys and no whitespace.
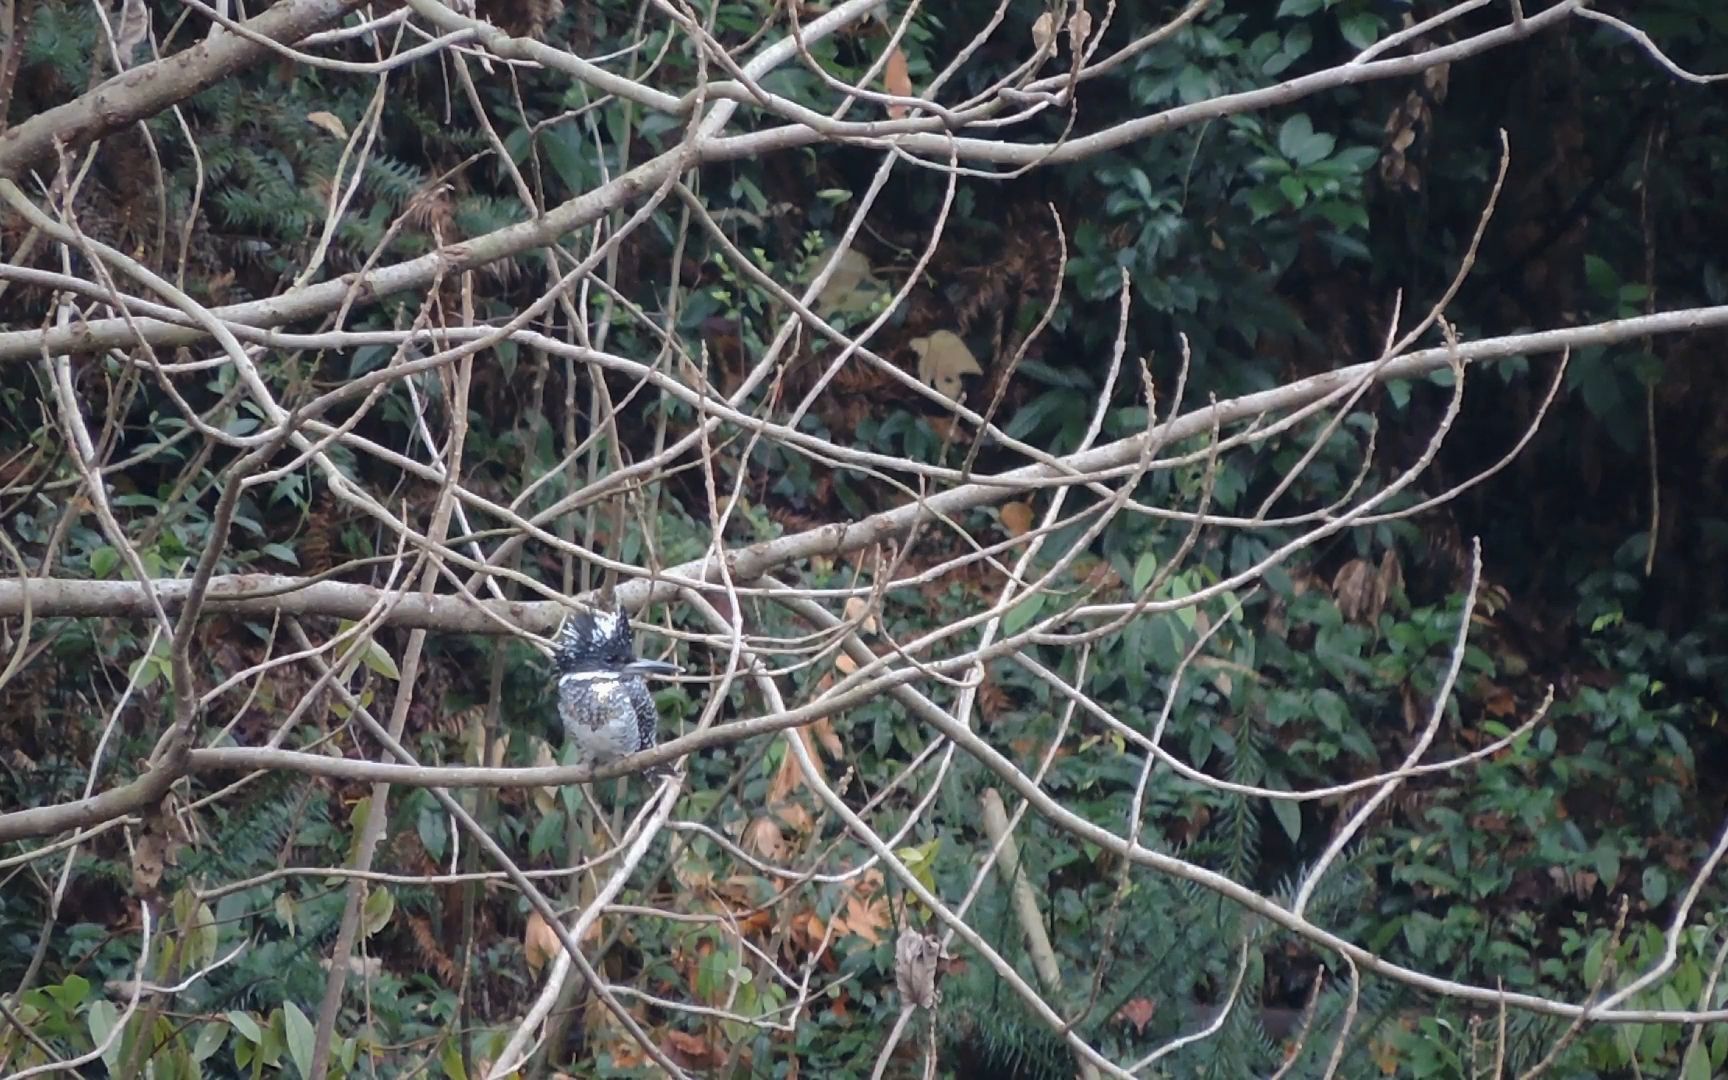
{"x":647,"y":716}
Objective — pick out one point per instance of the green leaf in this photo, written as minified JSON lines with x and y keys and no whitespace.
{"x":101,"y":1019}
{"x":380,"y":905}
{"x":561,"y":144}
{"x":300,"y":1037}
{"x":1601,"y":276}
{"x":380,"y":661}
{"x":1360,"y":29}
{"x":1021,"y":614}
{"x":204,"y":934}
{"x":1293,"y":133}
{"x":921,"y":860}
{"x":210,"y":1039}
{"x":1263,"y":202}
{"x":1655,"y":886}
{"x":1144,"y":570}
{"x":547,"y":832}
{"x":1296,"y":9}
{"x":434,"y":833}
{"x":1697,"y":1063}
{"x":1289,"y":815}
{"x":1594,"y":957}
{"x":71,"y":993}
{"x":1194,"y":84}
{"x":245,"y":1025}
{"x":450,"y":1060}
{"x":103,"y":561}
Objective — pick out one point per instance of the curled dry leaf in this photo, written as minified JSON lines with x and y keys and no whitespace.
{"x":789,"y":777}
{"x":825,"y":734}
{"x":1079,"y":29}
{"x":858,"y":611}
{"x":944,"y":361}
{"x":1044,"y":32}
{"x":764,"y":838}
{"x":539,"y":943}
{"x":1353,"y":589}
{"x":916,"y":956}
{"x":796,"y":817}
{"x":329,"y":122}
{"x":156,"y":848}
{"x":897,"y":80}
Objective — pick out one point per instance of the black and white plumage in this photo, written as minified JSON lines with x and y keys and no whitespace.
{"x":603,"y":699}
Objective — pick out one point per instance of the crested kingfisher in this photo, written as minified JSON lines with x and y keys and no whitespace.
{"x":603,"y":699}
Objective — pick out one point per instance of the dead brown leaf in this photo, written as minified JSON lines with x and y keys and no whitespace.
{"x":789,"y":777}
{"x":897,"y":80}
{"x":692,"y":1051}
{"x":915,"y":958}
{"x":825,"y":734}
{"x":539,"y":943}
{"x":763,"y":837}
{"x":1499,"y":702}
{"x":857,"y":610}
{"x":156,"y":848}
{"x":1044,"y":31}
{"x":864,"y":917}
{"x":1017,"y":518}
{"x":1139,"y":1012}
{"x":1079,"y":29}
{"x":795,"y":817}
{"x":1353,"y":589}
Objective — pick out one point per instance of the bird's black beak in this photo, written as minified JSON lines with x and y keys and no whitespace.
{"x":651,"y":667}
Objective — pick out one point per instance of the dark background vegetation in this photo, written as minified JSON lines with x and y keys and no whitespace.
{"x":1277,"y":242}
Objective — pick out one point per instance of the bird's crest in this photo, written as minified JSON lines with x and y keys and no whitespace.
{"x":593,"y":638}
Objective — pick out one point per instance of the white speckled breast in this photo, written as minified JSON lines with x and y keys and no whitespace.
{"x":599,"y":716}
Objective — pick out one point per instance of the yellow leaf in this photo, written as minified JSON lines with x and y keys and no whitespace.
{"x":851,"y":287}
{"x":944,"y":361}
{"x":858,"y":611}
{"x":329,"y":122}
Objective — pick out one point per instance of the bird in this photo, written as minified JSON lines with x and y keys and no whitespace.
{"x":603,"y":700}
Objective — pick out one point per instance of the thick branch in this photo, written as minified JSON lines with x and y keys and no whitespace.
{"x":65,"y":817}
{"x":266,"y":594}
{"x":150,"y":88}
{"x":262,"y":593}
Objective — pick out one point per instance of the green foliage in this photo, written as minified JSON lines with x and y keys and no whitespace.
{"x":1240,"y":234}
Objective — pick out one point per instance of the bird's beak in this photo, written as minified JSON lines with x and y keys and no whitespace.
{"x":651,"y":667}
